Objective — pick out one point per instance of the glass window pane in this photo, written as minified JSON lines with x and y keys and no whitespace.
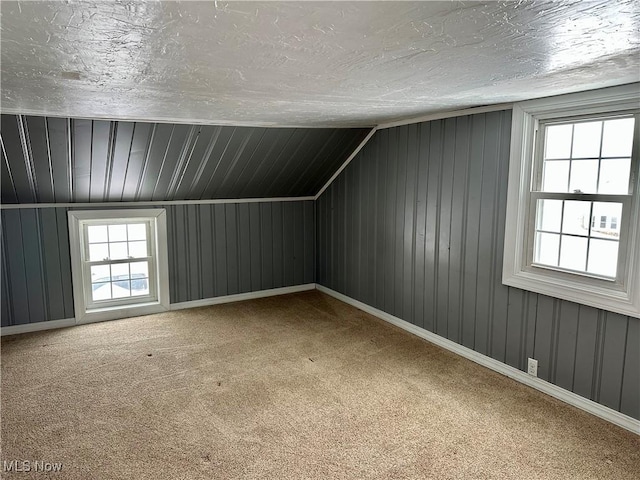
{"x":573,"y":253}
{"x":139,"y":269}
{"x":586,"y":140}
{"x":120,"y":271}
{"x":617,"y":138}
{"x":121,"y":289}
{"x":137,"y":231}
{"x":118,"y":250}
{"x":576,"y":217}
{"x":603,"y":214}
{"x":97,"y":233}
{"x":548,"y":215}
{"x":98,"y":252}
{"x":556,"y":176}
{"x":137,"y":249}
{"x":100,"y":273}
{"x":603,"y":257}
{"x":584,"y":176}
{"x":614,"y":176}
{"x":101,"y":291}
{"x":139,"y":286}
{"x":558,"y":141}
{"x":117,"y":233}
{"x":546,"y":249}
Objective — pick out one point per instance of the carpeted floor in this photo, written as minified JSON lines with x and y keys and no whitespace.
{"x":301,"y":386}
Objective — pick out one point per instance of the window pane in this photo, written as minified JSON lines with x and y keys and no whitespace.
{"x":549,"y":214}
{"x":137,"y":249}
{"x":139,"y":286}
{"x":556,"y":176}
{"x":576,"y":217}
{"x":100,"y":273}
{"x":604,"y":225}
{"x":546,"y":249}
{"x":117,"y":233}
{"x":101,"y":291}
{"x":118,"y":250}
{"x":617,"y":139}
{"x":139,"y":269}
{"x":98,"y":252}
{"x":584,"y":176}
{"x":603,"y":257}
{"x":120,"y":271}
{"x":614,"y":176}
{"x":558,"y":141}
{"x":586,"y":140}
{"x":121,"y":289}
{"x":137,"y":231}
{"x":97,"y":233}
{"x":573,"y":253}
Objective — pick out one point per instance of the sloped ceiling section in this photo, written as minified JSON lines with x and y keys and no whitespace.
{"x":47,"y":160}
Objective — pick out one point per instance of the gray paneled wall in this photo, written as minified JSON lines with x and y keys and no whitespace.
{"x":46,"y":159}
{"x":234,"y":248}
{"x":214,"y":250}
{"x":414,"y":226}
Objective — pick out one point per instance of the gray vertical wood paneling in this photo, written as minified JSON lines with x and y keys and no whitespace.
{"x":35,"y":267}
{"x":63,"y":160}
{"x":425,"y":205}
{"x":220,"y":236}
{"x":630,"y":401}
{"x":214,"y":250}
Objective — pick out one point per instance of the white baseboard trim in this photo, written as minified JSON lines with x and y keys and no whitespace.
{"x":242,"y":296}
{"x":70,"y":322}
{"x":38,"y":326}
{"x":606,"y":413}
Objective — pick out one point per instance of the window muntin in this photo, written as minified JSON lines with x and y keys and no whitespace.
{"x":120,"y":267}
{"x":581,"y":189}
{"x":110,"y":251}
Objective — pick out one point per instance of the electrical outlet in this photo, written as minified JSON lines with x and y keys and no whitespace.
{"x":532,"y":367}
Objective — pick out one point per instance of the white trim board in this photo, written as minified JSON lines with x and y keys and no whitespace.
{"x":38,"y":326}
{"x":70,"y":322}
{"x":447,"y":114}
{"x":157,"y":203}
{"x":181,"y":121}
{"x":346,"y":162}
{"x":242,"y":296}
{"x":606,"y":413}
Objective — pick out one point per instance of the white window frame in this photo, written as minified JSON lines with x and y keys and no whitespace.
{"x":621,"y":295}
{"x":86,"y":310}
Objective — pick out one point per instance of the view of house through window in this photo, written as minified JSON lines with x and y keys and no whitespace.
{"x":587,"y":166}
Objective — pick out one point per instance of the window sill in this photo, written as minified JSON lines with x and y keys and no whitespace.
{"x":614,"y":300}
{"x":124,"y":311}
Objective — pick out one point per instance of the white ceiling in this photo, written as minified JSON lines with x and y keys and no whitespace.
{"x":306,"y":63}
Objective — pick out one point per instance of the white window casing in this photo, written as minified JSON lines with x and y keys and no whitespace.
{"x":620,"y":294}
{"x":155,"y":300}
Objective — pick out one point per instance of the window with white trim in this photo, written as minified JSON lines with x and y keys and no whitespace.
{"x":119,"y":262}
{"x":572,"y":214}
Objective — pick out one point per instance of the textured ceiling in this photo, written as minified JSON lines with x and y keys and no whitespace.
{"x":306,"y":63}
{"x":47,"y":160}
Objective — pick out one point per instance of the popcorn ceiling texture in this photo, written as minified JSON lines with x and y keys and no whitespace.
{"x":306,"y":63}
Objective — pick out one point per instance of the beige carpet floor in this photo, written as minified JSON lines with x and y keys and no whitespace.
{"x":300,"y":386}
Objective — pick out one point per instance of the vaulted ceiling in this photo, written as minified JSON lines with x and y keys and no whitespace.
{"x":132,"y":100}
{"x":48,"y":160}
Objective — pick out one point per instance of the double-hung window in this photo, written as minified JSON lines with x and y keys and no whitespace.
{"x":119,"y":263}
{"x":573,"y":204}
